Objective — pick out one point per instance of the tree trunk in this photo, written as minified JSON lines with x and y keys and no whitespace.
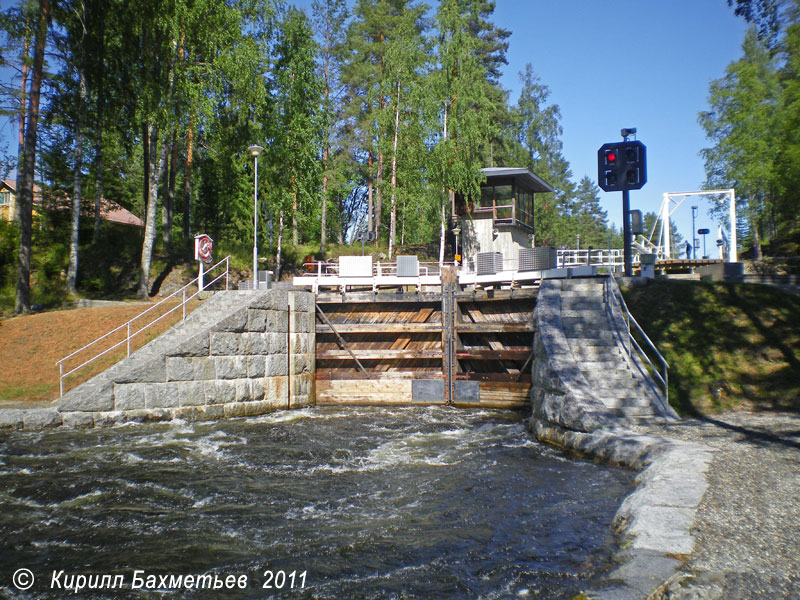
{"x":100,"y":107}
{"x":25,"y":190}
{"x":98,"y":160}
{"x":393,"y":218}
{"x":72,"y":270}
{"x":444,"y":192}
{"x":756,"y":241}
{"x":294,"y":219}
{"x":378,"y":197}
{"x":755,"y":223}
{"x":369,"y":191}
{"x":280,"y":247}
{"x":403,"y":225}
{"x":187,"y":184}
{"x":155,"y":159}
{"x":340,"y":228}
{"x":323,"y":238}
{"x":21,"y":114}
{"x":442,"y":232}
{"x":168,"y":204}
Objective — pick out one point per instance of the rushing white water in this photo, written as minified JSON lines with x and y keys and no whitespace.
{"x":368,"y":503}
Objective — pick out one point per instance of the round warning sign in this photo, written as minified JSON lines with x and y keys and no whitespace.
{"x":203,"y":246}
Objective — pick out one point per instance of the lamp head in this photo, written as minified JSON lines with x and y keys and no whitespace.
{"x":255,"y":150}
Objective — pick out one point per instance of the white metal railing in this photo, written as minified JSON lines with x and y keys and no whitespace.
{"x":613,"y":258}
{"x":198,"y":282}
{"x":320,"y":268}
{"x":613,"y":295}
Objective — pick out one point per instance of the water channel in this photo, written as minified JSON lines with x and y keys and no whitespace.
{"x":363,"y":502}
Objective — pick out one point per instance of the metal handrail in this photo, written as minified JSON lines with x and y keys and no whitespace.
{"x":611,"y":289}
{"x":600,"y":257}
{"x":379,"y":268}
{"x":201,"y":285}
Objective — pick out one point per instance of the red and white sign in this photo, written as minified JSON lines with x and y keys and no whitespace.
{"x":203,"y":246}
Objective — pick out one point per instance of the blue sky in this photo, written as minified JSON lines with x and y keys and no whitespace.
{"x":628,"y":63}
{"x":621,"y":63}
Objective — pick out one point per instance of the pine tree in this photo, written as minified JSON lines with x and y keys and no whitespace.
{"x":787,"y":204}
{"x":329,"y":18}
{"x":588,"y":217}
{"x":25,"y":188}
{"x":538,"y":130}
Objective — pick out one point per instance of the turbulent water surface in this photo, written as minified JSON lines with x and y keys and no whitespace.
{"x":357,"y":503}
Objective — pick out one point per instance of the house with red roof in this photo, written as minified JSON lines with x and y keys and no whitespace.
{"x":110,"y":211}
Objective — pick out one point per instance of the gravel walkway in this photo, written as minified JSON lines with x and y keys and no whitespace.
{"x":748,"y":524}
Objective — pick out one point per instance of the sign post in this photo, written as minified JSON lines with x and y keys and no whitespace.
{"x":203,"y":247}
{"x":704,"y":232}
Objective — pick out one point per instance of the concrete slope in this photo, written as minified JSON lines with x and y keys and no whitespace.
{"x":239,"y":353}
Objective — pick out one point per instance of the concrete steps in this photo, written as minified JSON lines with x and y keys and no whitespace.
{"x":581,"y":310}
{"x":598,"y":354}
{"x":628,"y":402}
{"x":576,"y":327}
{"x":603,"y":338}
{"x":634,"y":411}
{"x":593,"y":352}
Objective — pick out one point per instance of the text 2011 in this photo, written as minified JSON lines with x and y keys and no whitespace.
{"x":279,"y":580}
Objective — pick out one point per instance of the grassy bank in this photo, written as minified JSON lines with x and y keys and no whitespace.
{"x":728,"y":345}
{"x":31,"y":345}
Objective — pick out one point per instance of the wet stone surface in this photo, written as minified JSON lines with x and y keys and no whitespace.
{"x":747,"y":526}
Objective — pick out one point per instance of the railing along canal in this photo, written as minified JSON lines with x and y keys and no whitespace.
{"x":612,"y":295}
{"x":198,"y":282}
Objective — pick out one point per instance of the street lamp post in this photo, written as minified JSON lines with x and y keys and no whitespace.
{"x":255,"y":151}
{"x":694,"y":234}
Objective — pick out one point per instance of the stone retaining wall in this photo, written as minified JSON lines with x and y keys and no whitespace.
{"x":654,"y":522}
{"x":239,"y":354}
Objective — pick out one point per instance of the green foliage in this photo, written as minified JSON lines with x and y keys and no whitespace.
{"x":463,"y":90}
{"x":294,"y":154}
{"x":741,"y":123}
{"x":727,"y":344}
{"x":9,"y":240}
{"x":570,"y":211}
{"x":788,"y":160}
{"x":753,"y":126}
{"x":390,"y":109}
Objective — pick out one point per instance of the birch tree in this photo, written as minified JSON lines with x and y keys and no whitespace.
{"x":298,"y":131}
{"x":464,"y":104}
{"x":741,"y":123}
{"x":406,"y":67}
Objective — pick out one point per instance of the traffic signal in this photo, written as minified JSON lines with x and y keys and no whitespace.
{"x":637,"y":225}
{"x":621,"y":166}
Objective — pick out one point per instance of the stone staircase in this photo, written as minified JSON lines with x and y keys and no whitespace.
{"x":598,"y":352}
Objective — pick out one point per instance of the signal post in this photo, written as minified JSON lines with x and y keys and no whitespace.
{"x":621,"y":167}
